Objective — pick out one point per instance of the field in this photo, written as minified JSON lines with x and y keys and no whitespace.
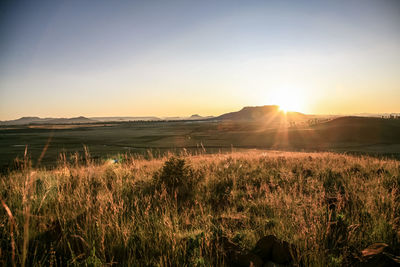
{"x":101,"y":193}
{"x":105,"y":140}
{"x":178,"y":212}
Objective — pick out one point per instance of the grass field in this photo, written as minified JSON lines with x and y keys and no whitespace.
{"x":361,"y":135}
{"x":175,"y":212}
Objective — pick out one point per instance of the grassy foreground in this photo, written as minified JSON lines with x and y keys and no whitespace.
{"x":174,"y":211}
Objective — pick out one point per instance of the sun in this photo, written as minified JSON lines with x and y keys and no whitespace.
{"x":284,"y":108}
{"x":289,"y":100}
{"x":290,"y":105}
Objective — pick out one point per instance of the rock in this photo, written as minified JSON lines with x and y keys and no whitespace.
{"x":375,"y":249}
{"x":281,"y":253}
{"x":268,"y":252}
{"x":379,"y":255}
{"x":264,"y":246}
{"x":247,"y":259}
{"x":237,"y":257}
{"x":270,"y":248}
{"x":273,"y":264}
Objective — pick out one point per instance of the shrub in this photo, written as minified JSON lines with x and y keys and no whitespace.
{"x":179,"y":179}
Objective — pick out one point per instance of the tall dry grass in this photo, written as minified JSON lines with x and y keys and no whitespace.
{"x":174,"y":211}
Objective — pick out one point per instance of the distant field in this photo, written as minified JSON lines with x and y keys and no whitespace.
{"x":358,"y":135}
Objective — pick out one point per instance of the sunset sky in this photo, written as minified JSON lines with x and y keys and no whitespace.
{"x":177,"y":58}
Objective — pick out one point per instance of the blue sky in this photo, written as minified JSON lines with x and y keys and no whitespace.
{"x":165,"y":58}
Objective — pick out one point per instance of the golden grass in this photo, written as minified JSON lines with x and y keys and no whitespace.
{"x":329,"y":205}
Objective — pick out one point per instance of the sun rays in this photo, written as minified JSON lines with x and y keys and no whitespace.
{"x":289,"y":99}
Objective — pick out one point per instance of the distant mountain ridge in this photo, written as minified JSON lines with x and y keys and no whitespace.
{"x":270,"y":113}
{"x":116,"y":118}
{"x":193,"y":117}
{"x":37,"y":120}
{"x":259,"y":113}
{"x":81,"y":119}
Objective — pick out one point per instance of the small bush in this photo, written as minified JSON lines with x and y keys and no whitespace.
{"x":178,"y":179}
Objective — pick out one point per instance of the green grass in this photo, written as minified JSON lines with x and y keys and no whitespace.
{"x":173,"y":212}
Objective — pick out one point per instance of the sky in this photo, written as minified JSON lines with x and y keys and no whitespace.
{"x":178,"y":58}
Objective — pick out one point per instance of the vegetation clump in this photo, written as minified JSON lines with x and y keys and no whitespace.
{"x":178,"y":179}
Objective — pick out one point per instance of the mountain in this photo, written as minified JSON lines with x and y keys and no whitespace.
{"x":23,"y":120}
{"x":261,"y":113}
{"x":37,"y":120}
{"x":198,"y":117}
{"x":193,"y":117}
{"x":108,"y":119}
{"x":80,"y":119}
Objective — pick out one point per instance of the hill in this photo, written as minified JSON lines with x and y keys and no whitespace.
{"x":198,"y":117}
{"x":262,"y":113}
{"x":37,"y":120}
{"x":360,"y":130}
{"x":24,"y":120}
{"x":112,"y":119}
{"x":69,"y":120}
